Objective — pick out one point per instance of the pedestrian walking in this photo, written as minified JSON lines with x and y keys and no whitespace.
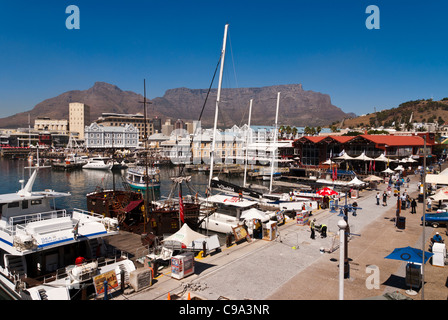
{"x":384,"y":198}
{"x":377,"y":198}
{"x":428,"y":204}
{"x":408,"y":201}
{"x":354,"y":206}
{"x":312,"y":226}
{"x":413,"y":205}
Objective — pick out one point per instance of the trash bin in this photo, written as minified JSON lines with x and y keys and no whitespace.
{"x":420,"y":198}
{"x":401,"y":223}
{"x":413,"y":275}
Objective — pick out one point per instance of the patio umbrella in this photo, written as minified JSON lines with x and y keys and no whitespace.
{"x":372,"y":178}
{"x":409,"y":254}
{"x":327,"y":192}
{"x":400,"y":167}
{"x":388,"y":170}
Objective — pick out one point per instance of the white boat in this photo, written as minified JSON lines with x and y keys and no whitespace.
{"x":99,"y":163}
{"x":227,"y":212}
{"x":51,"y":254}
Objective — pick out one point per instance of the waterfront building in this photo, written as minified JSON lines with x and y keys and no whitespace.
{"x":136,"y":120}
{"x":106,"y":137}
{"x":313,"y":150}
{"x":79,"y":117}
{"x":51,"y":125}
{"x":168,"y":127}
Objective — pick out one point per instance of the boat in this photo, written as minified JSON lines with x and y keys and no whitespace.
{"x":136,"y":177}
{"x":225,"y":212}
{"x":53,"y":254}
{"x":98,"y":163}
{"x":75,"y":159}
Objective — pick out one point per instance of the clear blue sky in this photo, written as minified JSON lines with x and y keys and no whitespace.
{"x":322,"y":44}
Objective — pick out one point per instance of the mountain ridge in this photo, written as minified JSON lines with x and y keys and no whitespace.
{"x":298,"y":107}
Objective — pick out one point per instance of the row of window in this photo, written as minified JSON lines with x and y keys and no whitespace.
{"x":24,"y":204}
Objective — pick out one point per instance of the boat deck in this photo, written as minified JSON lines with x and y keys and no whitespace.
{"x":128,"y":242}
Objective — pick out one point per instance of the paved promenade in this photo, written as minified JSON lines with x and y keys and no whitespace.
{"x":293,"y":267}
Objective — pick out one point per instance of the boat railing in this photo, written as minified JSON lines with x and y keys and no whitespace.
{"x":20,"y":222}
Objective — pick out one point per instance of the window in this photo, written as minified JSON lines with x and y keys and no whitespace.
{"x":13,"y":205}
{"x":36,"y":202}
{"x":25,"y":204}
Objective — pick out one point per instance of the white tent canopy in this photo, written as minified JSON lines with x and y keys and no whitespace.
{"x":373,"y":178}
{"x":254,"y":213}
{"x":344,"y":156}
{"x":356,"y":182}
{"x":363,"y":157}
{"x":185,"y":235}
{"x":441,"y":194}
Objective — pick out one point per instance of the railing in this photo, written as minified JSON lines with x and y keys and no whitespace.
{"x":20,"y":222}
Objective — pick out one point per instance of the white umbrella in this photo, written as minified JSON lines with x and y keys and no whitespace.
{"x":345,"y":156}
{"x":388,"y":170}
{"x":185,"y":235}
{"x":400,"y":167}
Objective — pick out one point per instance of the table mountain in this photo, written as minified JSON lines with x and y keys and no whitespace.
{"x":298,"y":107}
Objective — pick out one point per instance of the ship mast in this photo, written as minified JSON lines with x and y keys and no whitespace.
{"x":218,"y":97}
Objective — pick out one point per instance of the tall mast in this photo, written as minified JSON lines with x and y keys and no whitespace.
{"x":274,"y":148}
{"x":247,"y":142}
{"x":146,"y":176}
{"x":218,"y":97}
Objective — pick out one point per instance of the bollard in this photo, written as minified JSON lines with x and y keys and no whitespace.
{"x":105,"y":290}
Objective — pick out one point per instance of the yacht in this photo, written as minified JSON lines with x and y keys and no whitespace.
{"x":99,"y":163}
{"x":74,"y":158}
{"x":222,"y":212}
{"x":53,"y":254}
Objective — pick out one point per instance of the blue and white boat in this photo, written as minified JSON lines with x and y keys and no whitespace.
{"x":52,"y":254}
{"x":136,"y":177}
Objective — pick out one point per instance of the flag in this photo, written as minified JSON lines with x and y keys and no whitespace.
{"x":373,"y":165}
{"x":181,"y":206}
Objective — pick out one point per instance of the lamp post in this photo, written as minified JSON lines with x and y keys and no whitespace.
{"x":342,"y":225}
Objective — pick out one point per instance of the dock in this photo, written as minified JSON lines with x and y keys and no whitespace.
{"x":295,"y":267}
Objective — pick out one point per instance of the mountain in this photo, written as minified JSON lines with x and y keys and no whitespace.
{"x":298,"y":107}
{"x":423,"y":110}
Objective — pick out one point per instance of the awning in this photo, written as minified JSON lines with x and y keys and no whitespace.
{"x":132,"y":205}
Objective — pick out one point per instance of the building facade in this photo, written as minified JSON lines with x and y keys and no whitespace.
{"x":102,"y":137}
{"x":136,"y":120}
{"x":79,"y":117}
{"x":51,"y":125}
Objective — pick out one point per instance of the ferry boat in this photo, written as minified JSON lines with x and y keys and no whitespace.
{"x":99,"y":163}
{"x":135,"y":177}
{"x":53,"y":254}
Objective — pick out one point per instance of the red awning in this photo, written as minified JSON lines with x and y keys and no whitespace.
{"x":132,"y":205}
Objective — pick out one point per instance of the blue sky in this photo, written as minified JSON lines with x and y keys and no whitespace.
{"x":322,"y":44}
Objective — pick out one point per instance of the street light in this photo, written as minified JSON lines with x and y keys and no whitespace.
{"x":342,"y":225}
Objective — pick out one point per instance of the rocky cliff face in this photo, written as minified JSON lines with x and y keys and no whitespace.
{"x":298,"y":107}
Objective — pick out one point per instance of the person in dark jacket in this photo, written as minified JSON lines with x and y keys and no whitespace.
{"x":413,"y":205}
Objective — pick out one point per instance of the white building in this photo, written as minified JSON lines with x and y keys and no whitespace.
{"x":98,"y":136}
{"x":52,"y":125}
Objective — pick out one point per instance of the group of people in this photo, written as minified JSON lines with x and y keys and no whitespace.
{"x":406,"y":201}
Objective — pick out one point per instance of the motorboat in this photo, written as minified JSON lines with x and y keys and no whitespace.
{"x":74,"y":158}
{"x":98,"y":163}
{"x":141,"y":178}
{"x":53,"y":254}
